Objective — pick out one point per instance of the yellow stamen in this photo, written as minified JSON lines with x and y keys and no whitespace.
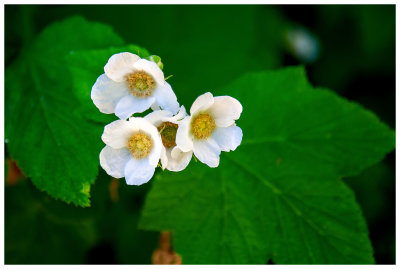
{"x":202,"y":126}
{"x":140,"y":145}
{"x":140,"y":84}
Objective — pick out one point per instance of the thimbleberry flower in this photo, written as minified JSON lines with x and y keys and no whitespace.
{"x":172,"y":158}
{"x":210,"y":128}
{"x":133,"y":150}
{"x":132,"y":85}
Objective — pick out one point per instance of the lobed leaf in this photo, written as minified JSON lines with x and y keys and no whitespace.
{"x":45,"y":130}
{"x":278,"y":196}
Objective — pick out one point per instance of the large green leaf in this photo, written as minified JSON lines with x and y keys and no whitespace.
{"x":46,"y":133}
{"x":278,"y":196}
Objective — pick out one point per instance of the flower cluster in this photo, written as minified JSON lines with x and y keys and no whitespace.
{"x":136,"y":145}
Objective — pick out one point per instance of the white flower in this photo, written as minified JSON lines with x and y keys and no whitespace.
{"x":210,"y":128}
{"x":133,"y":149}
{"x":132,"y":85}
{"x":172,"y":158}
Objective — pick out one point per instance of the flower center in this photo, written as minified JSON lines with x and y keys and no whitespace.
{"x":168,"y":133}
{"x":140,"y":145}
{"x":140,"y":84}
{"x":202,"y":126}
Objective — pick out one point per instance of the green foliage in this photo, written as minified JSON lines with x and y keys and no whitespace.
{"x":208,"y":55}
{"x":48,"y":136}
{"x":278,"y":196}
{"x":376,"y":33}
{"x":38,"y":229}
{"x":369,"y":31}
{"x":132,"y":245}
{"x":374,"y":192}
{"x":380,"y":178}
{"x":116,"y":221}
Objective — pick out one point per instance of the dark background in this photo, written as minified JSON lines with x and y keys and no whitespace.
{"x":205,"y":47}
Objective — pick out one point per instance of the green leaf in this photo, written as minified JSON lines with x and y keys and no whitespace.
{"x":85,"y":66}
{"x":39,"y":230}
{"x":278,"y":196}
{"x":47,"y":135}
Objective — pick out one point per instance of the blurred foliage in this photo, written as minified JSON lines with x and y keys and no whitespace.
{"x":42,"y":230}
{"x":39,"y":229}
{"x":375,"y":193}
{"x":205,"y":48}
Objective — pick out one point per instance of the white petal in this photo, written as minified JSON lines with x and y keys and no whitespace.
{"x":179,"y":116}
{"x":207,"y":151}
{"x":166,"y":98}
{"x":119,"y":65}
{"x":228,"y":138}
{"x":225,"y":110}
{"x":158,"y":116}
{"x":176,"y":152}
{"x":138,"y":172}
{"x":106,"y":93}
{"x":113,"y":161}
{"x":183,"y":138}
{"x":177,"y":159}
{"x":155,"y":106}
{"x":150,"y":129}
{"x":164,"y":158}
{"x":131,"y":104}
{"x":202,"y":102}
{"x":150,"y":68}
{"x":117,"y":133}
